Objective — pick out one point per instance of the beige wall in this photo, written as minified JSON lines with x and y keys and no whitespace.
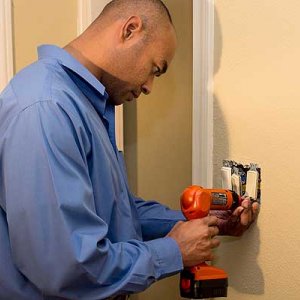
{"x":158,"y":135}
{"x":257,"y":105}
{"x":39,"y":22}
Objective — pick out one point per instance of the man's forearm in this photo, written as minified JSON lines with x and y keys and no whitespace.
{"x":156,"y":219}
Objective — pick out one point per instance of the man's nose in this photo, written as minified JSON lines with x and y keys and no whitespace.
{"x":147,"y":86}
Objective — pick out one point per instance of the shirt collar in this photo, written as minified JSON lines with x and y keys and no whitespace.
{"x":67,"y":60}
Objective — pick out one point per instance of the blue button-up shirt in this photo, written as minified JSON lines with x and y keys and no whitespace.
{"x":69,"y":226}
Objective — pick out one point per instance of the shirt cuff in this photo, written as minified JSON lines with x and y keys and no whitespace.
{"x":167,"y":256}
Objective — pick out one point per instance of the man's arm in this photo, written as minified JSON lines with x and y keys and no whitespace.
{"x":156,"y":219}
{"x":57,"y":240}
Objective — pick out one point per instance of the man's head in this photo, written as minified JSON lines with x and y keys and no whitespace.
{"x":130,"y":43}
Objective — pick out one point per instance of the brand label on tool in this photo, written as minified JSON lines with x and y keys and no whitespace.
{"x":219,"y":199}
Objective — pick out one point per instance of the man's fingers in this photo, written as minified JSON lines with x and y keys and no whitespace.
{"x":250,"y":213}
{"x":246,"y":203}
{"x":215,"y":243}
{"x":209,"y":257}
{"x":255,"y":209}
{"x":235,"y":217}
{"x":211,"y":220}
{"x":214,"y":230}
{"x":246,"y":217}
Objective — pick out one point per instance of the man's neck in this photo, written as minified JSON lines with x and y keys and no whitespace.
{"x":76,"y":53}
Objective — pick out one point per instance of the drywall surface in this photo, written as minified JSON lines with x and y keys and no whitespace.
{"x":41,"y":22}
{"x":256,"y":118}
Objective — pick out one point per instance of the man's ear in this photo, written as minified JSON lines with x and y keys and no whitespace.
{"x":131,"y":27}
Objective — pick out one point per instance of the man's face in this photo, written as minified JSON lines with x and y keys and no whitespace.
{"x":135,"y":67}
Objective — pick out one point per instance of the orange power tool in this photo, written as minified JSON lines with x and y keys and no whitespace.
{"x":205,"y":281}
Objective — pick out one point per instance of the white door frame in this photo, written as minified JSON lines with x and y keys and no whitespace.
{"x":203,"y":72}
{"x":6,"y":45}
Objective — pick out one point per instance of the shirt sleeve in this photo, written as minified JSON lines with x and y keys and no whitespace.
{"x":156,"y":219}
{"x":57,"y":240}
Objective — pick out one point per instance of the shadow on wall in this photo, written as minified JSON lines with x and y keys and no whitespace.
{"x":235,"y":255}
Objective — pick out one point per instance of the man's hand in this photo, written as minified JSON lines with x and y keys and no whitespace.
{"x":196,"y":240}
{"x":237,"y":222}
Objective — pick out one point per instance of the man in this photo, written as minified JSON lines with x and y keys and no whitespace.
{"x":69,"y":226}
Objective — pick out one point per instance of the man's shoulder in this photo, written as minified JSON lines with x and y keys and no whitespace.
{"x":36,"y":82}
{"x":42,"y":83}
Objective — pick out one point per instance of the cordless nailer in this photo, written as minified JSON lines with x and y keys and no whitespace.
{"x":205,"y":281}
